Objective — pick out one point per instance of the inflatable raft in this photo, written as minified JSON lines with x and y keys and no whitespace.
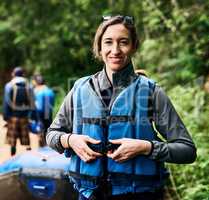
{"x":36,"y":175}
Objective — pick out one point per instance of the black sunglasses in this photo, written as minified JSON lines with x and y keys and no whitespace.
{"x":126,"y":19}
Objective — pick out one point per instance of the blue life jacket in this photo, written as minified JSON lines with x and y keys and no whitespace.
{"x":126,"y":118}
{"x":44,"y":101}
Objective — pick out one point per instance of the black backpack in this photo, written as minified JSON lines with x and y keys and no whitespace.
{"x":20,"y":96}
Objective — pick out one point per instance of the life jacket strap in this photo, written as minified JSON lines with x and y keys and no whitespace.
{"x":116,"y":177}
{"x":93,"y":179}
{"x":108,"y":120}
{"x":128,"y":179}
{"x":103,"y":148}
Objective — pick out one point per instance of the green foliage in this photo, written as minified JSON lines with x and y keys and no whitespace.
{"x":192,"y":104}
{"x":175,"y":39}
{"x":59,"y":96}
{"x":50,"y":35}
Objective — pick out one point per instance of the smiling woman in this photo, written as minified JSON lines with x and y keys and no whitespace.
{"x":105,"y":124}
{"x":116,"y":47}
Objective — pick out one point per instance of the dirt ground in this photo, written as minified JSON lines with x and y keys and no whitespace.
{"x":5,"y":148}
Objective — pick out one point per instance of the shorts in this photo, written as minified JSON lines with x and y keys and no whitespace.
{"x":17,"y":128}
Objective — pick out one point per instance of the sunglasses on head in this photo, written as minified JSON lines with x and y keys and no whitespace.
{"x":126,"y":19}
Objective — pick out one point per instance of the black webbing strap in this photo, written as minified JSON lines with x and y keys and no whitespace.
{"x":103,"y":147}
{"x":105,"y":184}
{"x":132,"y":177}
{"x":93,"y":179}
{"x":119,"y":177}
{"x":108,"y":120}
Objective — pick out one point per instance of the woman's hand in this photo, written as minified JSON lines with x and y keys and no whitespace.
{"x":129,"y":148}
{"x":79,"y":145}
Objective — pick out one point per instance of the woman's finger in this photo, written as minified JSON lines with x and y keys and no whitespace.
{"x":116,"y":141}
{"x":92,"y":140}
{"x":92,"y":153}
{"x":114,"y":155}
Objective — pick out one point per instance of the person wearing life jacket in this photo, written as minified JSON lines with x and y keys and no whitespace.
{"x":105,"y":124}
{"x":18,"y":102}
{"x":44,"y":102}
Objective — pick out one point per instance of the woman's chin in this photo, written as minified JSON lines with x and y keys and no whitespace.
{"x":115,"y":67}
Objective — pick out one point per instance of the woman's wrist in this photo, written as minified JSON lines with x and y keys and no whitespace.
{"x":68,"y":138}
{"x":148,"y":148}
{"x":65,"y":140}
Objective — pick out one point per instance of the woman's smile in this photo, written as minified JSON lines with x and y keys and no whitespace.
{"x":115,"y":60}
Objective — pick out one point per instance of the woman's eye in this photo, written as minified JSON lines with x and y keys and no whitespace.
{"x":108,"y":42}
{"x":124,"y":42}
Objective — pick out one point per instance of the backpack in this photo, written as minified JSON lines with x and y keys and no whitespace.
{"x":20,"y":96}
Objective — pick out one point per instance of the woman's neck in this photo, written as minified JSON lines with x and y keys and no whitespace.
{"x":109,"y":74}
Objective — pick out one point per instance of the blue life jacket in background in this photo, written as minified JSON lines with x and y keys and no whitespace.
{"x":126,"y":118}
{"x":44,"y":101}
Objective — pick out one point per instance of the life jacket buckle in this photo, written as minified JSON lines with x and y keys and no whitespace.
{"x":103,"y":148}
{"x":111,"y":147}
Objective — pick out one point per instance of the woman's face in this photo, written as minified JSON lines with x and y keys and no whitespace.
{"x":116,"y":47}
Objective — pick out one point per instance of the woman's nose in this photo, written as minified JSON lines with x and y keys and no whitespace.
{"x":115,"y":49}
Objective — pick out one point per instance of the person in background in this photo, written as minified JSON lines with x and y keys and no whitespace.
{"x":105,"y":124}
{"x":18,"y":102}
{"x":44,"y":102}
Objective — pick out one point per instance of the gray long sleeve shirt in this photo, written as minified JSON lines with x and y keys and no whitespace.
{"x":178,"y":146}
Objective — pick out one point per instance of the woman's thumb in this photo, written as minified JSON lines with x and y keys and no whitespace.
{"x":116,"y":141}
{"x":93,"y":141}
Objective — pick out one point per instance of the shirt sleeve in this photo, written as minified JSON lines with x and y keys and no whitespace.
{"x":178,"y":146}
{"x":62,"y":124}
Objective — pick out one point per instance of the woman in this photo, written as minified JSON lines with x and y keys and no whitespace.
{"x":105,"y":124}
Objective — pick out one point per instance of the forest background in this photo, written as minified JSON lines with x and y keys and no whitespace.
{"x":55,"y":37}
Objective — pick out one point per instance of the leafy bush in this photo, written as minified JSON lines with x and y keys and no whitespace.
{"x":192,"y":181}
